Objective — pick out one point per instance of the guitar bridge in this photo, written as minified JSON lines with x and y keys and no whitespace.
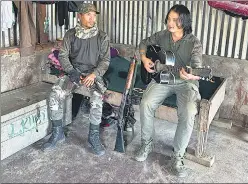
{"x":164,"y":77}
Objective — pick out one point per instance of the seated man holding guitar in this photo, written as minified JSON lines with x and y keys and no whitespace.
{"x":185,"y":50}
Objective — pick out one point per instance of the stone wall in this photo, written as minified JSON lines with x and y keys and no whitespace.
{"x":235,"y":104}
{"x":17,"y":72}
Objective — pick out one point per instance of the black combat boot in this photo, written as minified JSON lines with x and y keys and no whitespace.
{"x":94,"y":140}
{"x":57,"y":136}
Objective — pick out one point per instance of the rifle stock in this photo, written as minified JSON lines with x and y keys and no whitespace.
{"x":120,"y":142}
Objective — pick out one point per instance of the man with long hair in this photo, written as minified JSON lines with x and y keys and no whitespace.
{"x":85,"y":57}
{"x":179,"y":39}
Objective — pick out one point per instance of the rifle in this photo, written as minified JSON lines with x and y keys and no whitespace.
{"x":57,"y":69}
{"x":124,"y":109}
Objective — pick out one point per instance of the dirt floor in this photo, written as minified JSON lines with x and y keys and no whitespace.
{"x":73,"y":161}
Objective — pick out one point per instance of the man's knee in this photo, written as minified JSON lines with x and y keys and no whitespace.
{"x":53,"y":100}
{"x":188,"y":113}
{"x":55,"y":104}
{"x":189,"y":108}
{"x":147,"y":104}
{"x":96,"y":103}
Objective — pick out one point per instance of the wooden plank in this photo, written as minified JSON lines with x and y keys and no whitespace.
{"x":202,"y":130}
{"x":216,"y":100}
{"x":222,"y":123}
{"x":206,"y":160}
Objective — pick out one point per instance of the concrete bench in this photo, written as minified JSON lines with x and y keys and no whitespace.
{"x":24,"y":118}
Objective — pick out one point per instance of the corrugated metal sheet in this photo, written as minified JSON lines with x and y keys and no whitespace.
{"x":129,"y":22}
{"x":55,"y":31}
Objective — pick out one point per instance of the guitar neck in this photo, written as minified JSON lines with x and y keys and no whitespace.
{"x":168,"y":68}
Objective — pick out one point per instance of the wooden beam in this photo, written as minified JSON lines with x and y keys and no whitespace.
{"x":40,"y":19}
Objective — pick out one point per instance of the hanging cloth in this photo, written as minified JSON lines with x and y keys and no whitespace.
{"x":232,"y":8}
{"x":62,"y":12}
{"x":7,"y":15}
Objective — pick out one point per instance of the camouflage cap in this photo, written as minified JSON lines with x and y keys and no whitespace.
{"x":87,"y":7}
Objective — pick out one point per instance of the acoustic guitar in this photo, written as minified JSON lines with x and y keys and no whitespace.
{"x":164,"y":62}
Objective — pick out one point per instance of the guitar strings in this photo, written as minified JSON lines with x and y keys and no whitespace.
{"x":174,"y":80}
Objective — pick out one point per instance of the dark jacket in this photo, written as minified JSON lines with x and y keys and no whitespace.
{"x":188,"y":50}
{"x":85,"y":55}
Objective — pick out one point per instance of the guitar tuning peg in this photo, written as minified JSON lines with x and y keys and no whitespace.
{"x":203,"y":78}
{"x":208,"y":66}
{"x":207,"y":79}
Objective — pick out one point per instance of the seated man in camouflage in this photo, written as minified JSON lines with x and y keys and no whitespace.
{"x":85,"y":57}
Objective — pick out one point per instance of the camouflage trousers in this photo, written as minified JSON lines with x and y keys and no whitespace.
{"x":62,"y":89}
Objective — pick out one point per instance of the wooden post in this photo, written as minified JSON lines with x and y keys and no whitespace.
{"x":40,"y":19}
{"x":246,"y":121}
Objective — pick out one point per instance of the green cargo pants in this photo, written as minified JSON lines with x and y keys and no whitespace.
{"x":187,"y":97}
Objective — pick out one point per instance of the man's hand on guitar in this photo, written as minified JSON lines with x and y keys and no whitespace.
{"x":148,"y":64}
{"x":88,"y":80}
{"x":186,"y":76}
